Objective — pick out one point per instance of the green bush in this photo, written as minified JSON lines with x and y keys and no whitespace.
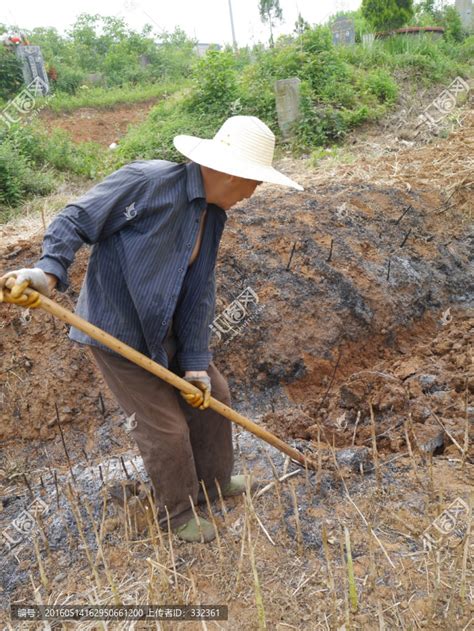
{"x":382,"y":86}
{"x":18,"y":176}
{"x":359,"y":116}
{"x":11,"y":78}
{"x":385,"y":15}
{"x":318,"y":124}
{"x":257,"y":94}
{"x":30,"y":159}
{"x":451,"y":21}
{"x":69,"y":79}
{"x":316,"y":40}
{"x":153,"y":139}
{"x":466,"y":50}
{"x":106,"y":45}
{"x":214,"y":85}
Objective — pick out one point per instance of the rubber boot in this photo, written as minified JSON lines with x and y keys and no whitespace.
{"x":237,"y":485}
{"x":193,"y":532}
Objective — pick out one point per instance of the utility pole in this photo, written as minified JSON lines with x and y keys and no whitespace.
{"x":234,"y":41}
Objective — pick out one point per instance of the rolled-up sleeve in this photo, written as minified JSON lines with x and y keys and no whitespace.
{"x":102,"y":211}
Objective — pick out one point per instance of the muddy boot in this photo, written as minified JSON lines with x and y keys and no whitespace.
{"x":194,"y":533}
{"x":237,"y":485}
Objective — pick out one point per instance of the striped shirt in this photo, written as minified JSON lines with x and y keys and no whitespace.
{"x":143,"y":221}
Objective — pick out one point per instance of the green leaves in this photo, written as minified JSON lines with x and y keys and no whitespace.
{"x":385,"y":15}
{"x":214,"y":84}
{"x":11,"y":78}
{"x":270,"y":13}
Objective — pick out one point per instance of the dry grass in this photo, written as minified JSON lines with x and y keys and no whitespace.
{"x":350,"y":555}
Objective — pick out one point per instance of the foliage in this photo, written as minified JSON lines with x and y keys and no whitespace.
{"x":153,"y":139}
{"x":301,"y":25}
{"x":18,"y":176}
{"x":382,"y":86}
{"x":30,"y":159}
{"x":69,"y":80}
{"x":100,"y":97}
{"x":318,"y":124}
{"x":341,"y":87}
{"x":428,"y":13}
{"x":270,"y":13}
{"x":11,"y":78}
{"x":107,"y":48}
{"x":451,"y":21}
{"x":466,"y":50}
{"x":385,"y":15}
{"x":214,"y":84}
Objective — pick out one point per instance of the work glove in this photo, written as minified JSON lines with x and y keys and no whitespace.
{"x":18,"y":280}
{"x":203,"y":382}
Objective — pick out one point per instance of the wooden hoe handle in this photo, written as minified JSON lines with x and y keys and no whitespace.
{"x":163,"y":373}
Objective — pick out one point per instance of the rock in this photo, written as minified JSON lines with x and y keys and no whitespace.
{"x":420,"y":412}
{"x":427,"y":382}
{"x":414,"y":388}
{"x":385,"y":391}
{"x":439,"y":395}
{"x":429,"y":438}
{"x":351,"y":395}
{"x":353,"y":457}
{"x":408,"y":368}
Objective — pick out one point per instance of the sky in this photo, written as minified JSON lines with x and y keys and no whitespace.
{"x":206,"y":20}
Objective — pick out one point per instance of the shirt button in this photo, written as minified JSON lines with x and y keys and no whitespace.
{"x":188,"y":245}
{"x":181,"y":269}
{"x":164,"y":322}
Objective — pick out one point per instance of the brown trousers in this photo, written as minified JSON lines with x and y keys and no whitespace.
{"x":180,"y":445}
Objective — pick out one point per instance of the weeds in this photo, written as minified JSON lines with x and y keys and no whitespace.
{"x":99,"y":97}
{"x":341,"y":88}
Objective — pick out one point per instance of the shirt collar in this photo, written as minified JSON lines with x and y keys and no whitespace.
{"x":194,"y":183}
{"x":195,"y":187}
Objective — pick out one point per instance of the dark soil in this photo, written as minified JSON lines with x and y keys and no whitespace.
{"x":372,"y":314}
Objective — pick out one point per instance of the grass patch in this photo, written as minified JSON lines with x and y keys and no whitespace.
{"x":31,"y":159}
{"x":103,"y":98}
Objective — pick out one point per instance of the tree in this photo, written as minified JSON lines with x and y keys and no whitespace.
{"x":301,"y":25}
{"x":427,"y":6}
{"x":386,"y":15}
{"x":270,"y":12}
{"x":451,"y":21}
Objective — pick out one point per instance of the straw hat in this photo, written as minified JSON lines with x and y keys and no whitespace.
{"x":243,"y":146}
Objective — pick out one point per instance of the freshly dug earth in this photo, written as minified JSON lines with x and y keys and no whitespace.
{"x":399,"y":259}
{"x":371,"y":314}
{"x":103,"y":126}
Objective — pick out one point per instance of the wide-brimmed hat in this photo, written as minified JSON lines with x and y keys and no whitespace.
{"x":243,"y":146}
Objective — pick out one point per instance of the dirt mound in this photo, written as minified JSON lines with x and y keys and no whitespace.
{"x":41,"y":368}
{"x":424,"y":393}
{"x":373,"y":268}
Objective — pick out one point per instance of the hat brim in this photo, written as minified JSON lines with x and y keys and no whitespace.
{"x":214,"y":155}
